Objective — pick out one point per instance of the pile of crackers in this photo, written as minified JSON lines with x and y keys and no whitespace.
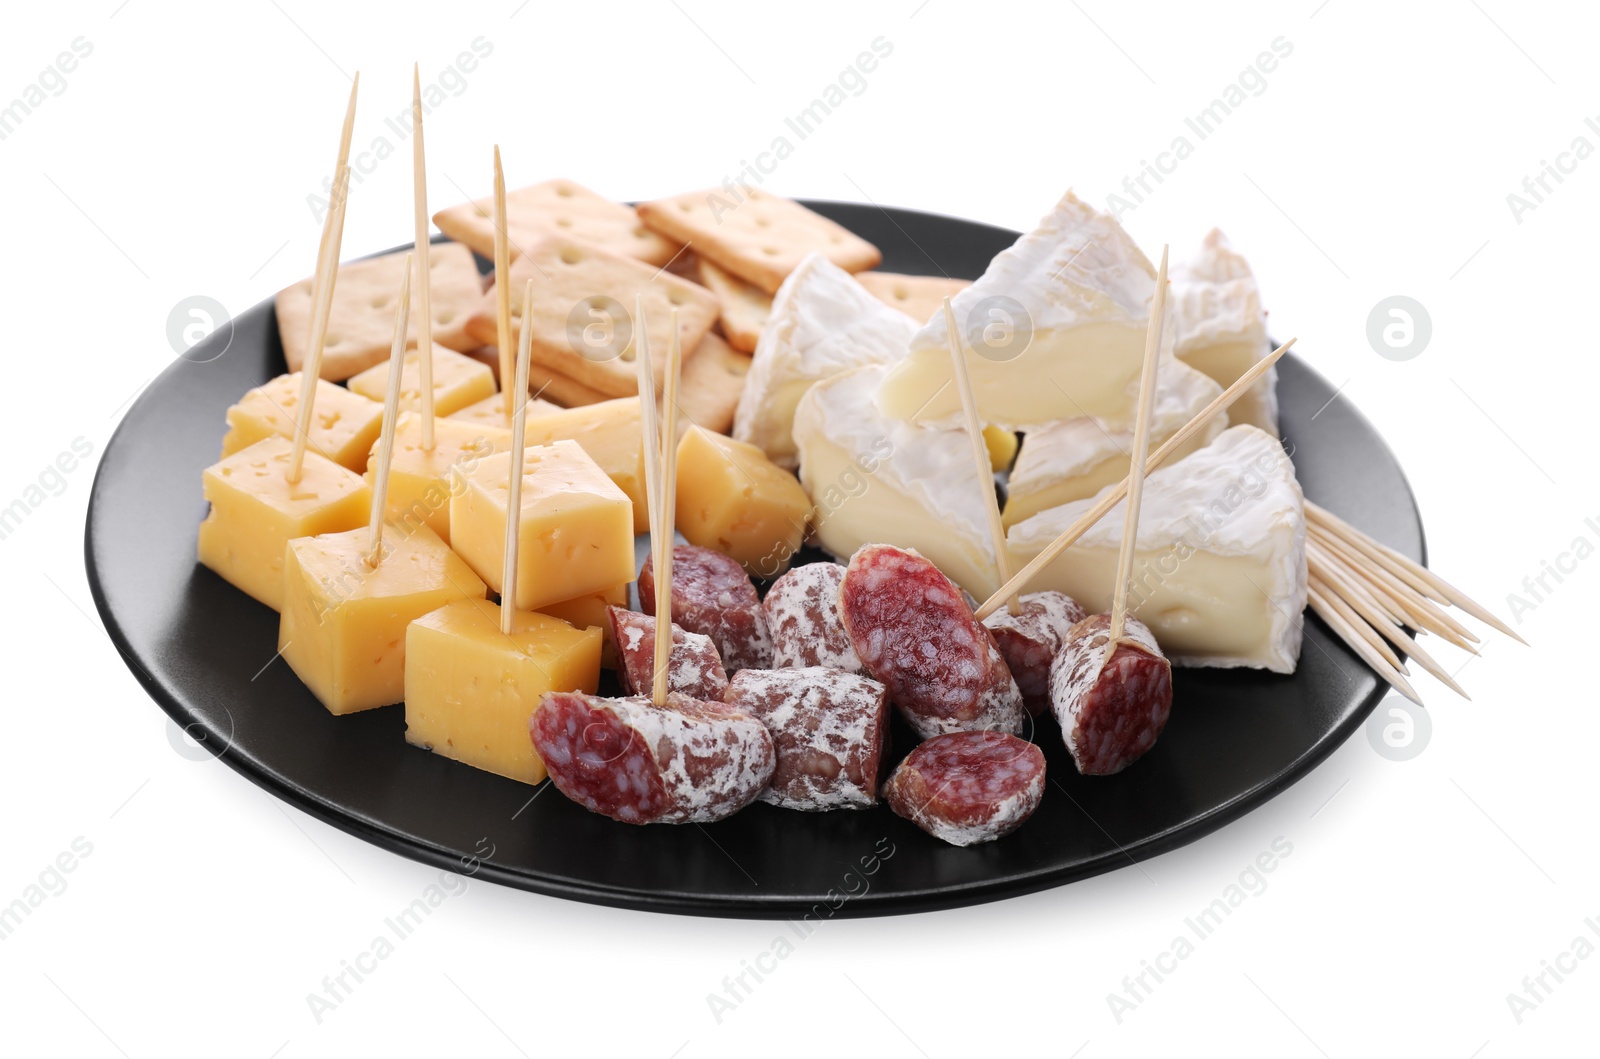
{"x":716,"y":261}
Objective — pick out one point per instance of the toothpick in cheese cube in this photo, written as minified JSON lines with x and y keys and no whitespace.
{"x":471,"y":690}
{"x":344,"y":621}
{"x":256,"y":511}
{"x":576,"y":530}
{"x":491,"y":412}
{"x":343,"y":424}
{"x":420,"y":481}
{"x":458,"y":381}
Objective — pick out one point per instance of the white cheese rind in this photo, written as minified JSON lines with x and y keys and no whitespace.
{"x":823,"y":322}
{"x":1220,"y":328}
{"x":1084,"y":289}
{"x":1220,"y":569}
{"x":874,"y":479}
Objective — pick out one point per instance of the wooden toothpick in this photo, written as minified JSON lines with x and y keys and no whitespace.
{"x":980,"y":453}
{"x":346,"y":132}
{"x":1141,"y":450}
{"x":391,"y":412}
{"x":321,"y":306}
{"x":1339,"y":625}
{"x":669,"y":507}
{"x":519,"y":433}
{"x":419,"y":194}
{"x":650,"y":428}
{"x":1109,"y":501}
{"x":502,"y":282}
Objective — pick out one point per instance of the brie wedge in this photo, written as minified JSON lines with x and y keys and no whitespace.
{"x":873,"y":479}
{"x":1077,"y":458}
{"x":1054,"y":330}
{"x":1219,"y":573}
{"x":823,"y":322}
{"x":1221,"y":329}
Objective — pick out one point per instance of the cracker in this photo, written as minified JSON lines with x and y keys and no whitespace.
{"x":745,"y":307}
{"x":361,"y":321}
{"x":558,"y":388}
{"x":556,"y":207}
{"x":708,"y":389}
{"x":758,"y":237}
{"x":919,"y":297}
{"x":583,"y":307}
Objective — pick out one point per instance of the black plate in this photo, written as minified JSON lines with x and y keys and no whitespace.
{"x":1236,"y":738}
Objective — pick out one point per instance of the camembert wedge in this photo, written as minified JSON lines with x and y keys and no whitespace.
{"x":1221,"y":329}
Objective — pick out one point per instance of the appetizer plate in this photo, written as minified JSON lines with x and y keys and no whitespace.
{"x":204,"y":651}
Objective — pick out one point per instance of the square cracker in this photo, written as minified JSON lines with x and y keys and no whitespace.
{"x":745,"y":307}
{"x":760,"y":238}
{"x":556,"y":207}
{"x":583,"y":310}
{"x":919,"y":297}
{"x":361,"y":320}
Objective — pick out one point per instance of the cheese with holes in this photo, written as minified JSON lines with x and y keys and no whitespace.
{"x":471,"y":690}
{"x":734,"y":500}
{"x":1220,"y":328}
{"x":343,"y":629}
{"x":343,"y":424}
{"x":823,"y":322}
{"x":256,"y":512}
{"x":589,"y":611}
{"x":458,"y":381}
{"x":610,"y":432}
{"x":491,"y":412}
{"x":873,"y":479}
{"x":420,"y":480}
{"x":575,"y":535}
{"x":1220,"y":571}
{"x":1054,"y":329}
{"x":1077,"y":458}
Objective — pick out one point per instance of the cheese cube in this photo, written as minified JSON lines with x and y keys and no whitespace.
{"x":610,"y":432}
{"x":470,"y":690}
{"x":1077,"y":458}
{"x":589,"y":611}
{"x":256,"y":512}
{"x":343,"y":629}
{"x":733,"y":499}
{"x":343,"y":424}
{"x":491,"y":412}
{"x":458,"y":381}
{"x":420,"y":481}
{"x":575,"y":534}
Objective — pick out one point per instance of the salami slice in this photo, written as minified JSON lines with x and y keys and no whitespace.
{"x":968,"y":787}
{"x":713,"y":596}
{"x":1029,"y":640}
{"x":1111,"y":711}
{"x":688,"y":762}
{"x":803,"y":614}
{"x":693,"y":669}
{"x":828,"y":727}
{"x":915,"y":634}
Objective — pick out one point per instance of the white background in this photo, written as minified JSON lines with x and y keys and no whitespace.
{"x":1377,"y":161}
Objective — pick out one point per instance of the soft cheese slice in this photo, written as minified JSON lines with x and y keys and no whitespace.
{"x":1063,"y":312}
{"x":1220,"y":571}
{"x":1076,"y":458}
{"x":872,"y":479}
{"x":823,"y":322}
{"x":1220,"y":328}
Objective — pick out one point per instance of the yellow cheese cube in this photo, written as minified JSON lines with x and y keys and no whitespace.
{"x":575,"y":533}
{"x":1002,"y":445}
{"x":589,"y":611}
{"x":610,"y":432}
{"x":256,"y":512}
{"x":343,"y":424}
{"x":491,"y":412}
{"x":471,"y":690}
{"x":458,"y":381}
{"x":419,"y":480}
{"x":343,"y":629}
{"x":735,"y":500}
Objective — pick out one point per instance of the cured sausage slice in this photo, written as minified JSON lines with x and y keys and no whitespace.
{"x":1030,"y":639}
{"x":828,"y":728}
{"x":968,"y":787}
{"x":694,"y":667}
{"x":713,"y":596}
{"x":1111,"y":710}
{"x":688,"y":762}
{"x":802,"y":610}
{"x":915,"y":634}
